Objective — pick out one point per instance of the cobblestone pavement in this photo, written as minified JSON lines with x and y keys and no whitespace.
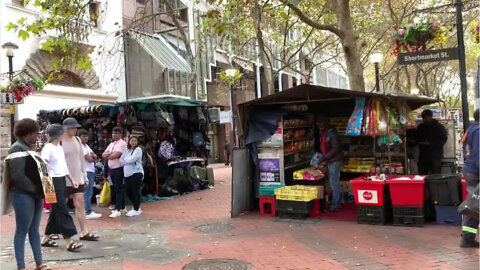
{"x":195,"y":231}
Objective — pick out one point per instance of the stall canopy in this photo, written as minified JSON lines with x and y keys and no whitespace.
{"x":313,"y":93}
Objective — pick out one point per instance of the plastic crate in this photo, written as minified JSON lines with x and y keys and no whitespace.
{"x":413,"y":216}
{"x":375,"y":215}
{"x":294,"y":207}
{"x":407,"y":192}
{"x":297,"y":193}
{"x":267,"y":206}
{"x":445,"y":190}
{"x":448,"y":215}
{"x":410,"y":221}
{"x":368,"y":193}
{"x":316,"y":209}
{"x":269,"y":190}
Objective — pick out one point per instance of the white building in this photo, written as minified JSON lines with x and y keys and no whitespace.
{"x":102,"y":84}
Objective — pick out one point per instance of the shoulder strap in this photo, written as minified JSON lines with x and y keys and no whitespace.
{"x":17,"y":155}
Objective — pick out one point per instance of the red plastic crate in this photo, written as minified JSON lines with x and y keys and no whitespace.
{"x":464,"y":189}
{"x":407,"y":192}
{"x":368,"y":192}
{"x":267,"y":206}
{"x":316,"y":209}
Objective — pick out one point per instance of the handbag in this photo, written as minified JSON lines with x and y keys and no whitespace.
{"x":106,"y":195}
{"x":130,"y":117}
{"x":47,"y":181}
{"x":470,"y":206}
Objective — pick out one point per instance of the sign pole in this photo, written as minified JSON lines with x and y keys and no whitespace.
{"x":461,"y":63}
{"x":12,"y":106}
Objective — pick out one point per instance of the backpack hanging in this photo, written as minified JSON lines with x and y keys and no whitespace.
{"x":198,"y":139}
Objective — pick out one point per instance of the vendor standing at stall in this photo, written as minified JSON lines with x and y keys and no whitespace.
{"x":471,"y":175}
{"x":329,"y":147}
{"x":431,"y":137}
{"x":166,"y":152}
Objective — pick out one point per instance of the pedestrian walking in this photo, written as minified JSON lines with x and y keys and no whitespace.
{"x":133,"y":171}
{"x":113,"y":153}
{"x":26,"y":193}
{"x":227,"y":153}
{"x":431,"y":137}
{"x":76,"y":163}
{"x":471,"y":175}
{"x":90,"y":157}
{"x":59,"y":221}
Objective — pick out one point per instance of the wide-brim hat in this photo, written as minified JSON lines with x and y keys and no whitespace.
{"x":54,"y":131}
{"x":71,"y":122}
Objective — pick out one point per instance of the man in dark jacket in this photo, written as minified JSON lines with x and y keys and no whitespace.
{"x":471,"y":175}
{"x":330,"y":150}
{"x":431,"y":137}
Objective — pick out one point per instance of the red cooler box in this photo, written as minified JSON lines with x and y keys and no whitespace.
{"x":406,"y":192}
{"x":368,"y":192}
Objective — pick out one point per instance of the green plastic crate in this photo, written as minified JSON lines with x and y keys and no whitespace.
{"x":269,"y":190}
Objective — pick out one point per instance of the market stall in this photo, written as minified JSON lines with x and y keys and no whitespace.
{"x":150,"y":121}
{"x":280,"y":138}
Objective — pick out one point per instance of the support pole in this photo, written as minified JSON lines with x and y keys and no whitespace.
{"x":12,"y":106}
{"x":461,"y":63}
{"x":377,"y":78}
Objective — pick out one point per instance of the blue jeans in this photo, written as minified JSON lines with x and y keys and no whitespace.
{"x":334,"y":179}
{"x":89,"y":192}
{"x":28,"y":213}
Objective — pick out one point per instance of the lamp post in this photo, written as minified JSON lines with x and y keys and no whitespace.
{"x":231,"y":73}
{"x":376,"y":58}
{"x":10,"y":51}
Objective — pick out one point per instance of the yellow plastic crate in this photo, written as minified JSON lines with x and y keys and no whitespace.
{"x":297,"y":190}
{"x":295,"y":198}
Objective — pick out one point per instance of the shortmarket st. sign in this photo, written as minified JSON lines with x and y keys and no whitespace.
{"x":427,"y":56}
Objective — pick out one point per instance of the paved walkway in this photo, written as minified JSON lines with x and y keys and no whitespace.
{"x":171,"y":234}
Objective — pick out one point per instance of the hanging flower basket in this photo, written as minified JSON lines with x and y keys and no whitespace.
{"x":21,"y":87}
{"x":415,"y":36}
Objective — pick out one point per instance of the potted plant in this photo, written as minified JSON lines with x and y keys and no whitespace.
{"x":21,"y":87}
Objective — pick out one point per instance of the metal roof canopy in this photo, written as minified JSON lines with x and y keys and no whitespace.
{"x":306,"y":93}
{"x":164,"y":54}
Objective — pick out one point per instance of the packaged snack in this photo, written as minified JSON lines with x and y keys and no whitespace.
{"x":354,"y":126}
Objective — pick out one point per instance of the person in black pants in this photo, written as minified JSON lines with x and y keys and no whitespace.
{"x":133,"y":170}
{"x":113,"y":153}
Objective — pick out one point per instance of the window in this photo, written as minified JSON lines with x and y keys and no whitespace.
{"x":94,"y":9}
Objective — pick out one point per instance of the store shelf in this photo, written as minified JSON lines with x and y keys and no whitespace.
{"x":297,"y":164}
{"x":297,"y":140}
{"x":297,"y":152}
{"x":298,"y":127}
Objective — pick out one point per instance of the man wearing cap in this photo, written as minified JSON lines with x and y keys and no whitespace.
{"x":72,"y":147}
{"x":431,"y":137}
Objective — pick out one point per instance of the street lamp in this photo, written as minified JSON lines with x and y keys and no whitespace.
{"x":231,"y":73}
{"x":376,"y":58}
{"x":10,"y":51}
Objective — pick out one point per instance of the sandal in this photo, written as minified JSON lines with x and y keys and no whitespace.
{"x":90,"y":237}
{"x":43,"y":267}
{"x":74,"y":246}
{"x":54,"y":237}
{"x":49,"y":243}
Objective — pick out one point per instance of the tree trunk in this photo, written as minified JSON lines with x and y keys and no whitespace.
{"x":267,"y":69}
{"x":350,"y":46}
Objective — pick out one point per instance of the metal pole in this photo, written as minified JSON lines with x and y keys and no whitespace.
{"x":461,"y":63}
{"x":377,"y":77}
{"x":232,"y":105}
{"x":12,"y":107}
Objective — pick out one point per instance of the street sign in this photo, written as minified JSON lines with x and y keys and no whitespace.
{"x":7,"y":98}
{"x":225,"y":117}
{"x":427,"y":56}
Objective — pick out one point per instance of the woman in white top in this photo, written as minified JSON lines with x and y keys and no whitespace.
{"x":59,"y":221}
{"x":133,"y":172}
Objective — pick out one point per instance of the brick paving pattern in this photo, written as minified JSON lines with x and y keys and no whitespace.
{"x":263,"y":243}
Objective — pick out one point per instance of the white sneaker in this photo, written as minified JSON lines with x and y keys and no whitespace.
{"x":133,"y":213}
{"x":111,"y":207}
{"x":115,"y":214}
{"x":94,"y":215}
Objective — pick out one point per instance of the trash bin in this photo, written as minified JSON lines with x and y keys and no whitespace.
{"x":444,"y":190}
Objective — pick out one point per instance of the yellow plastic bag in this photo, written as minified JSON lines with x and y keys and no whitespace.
{"x":106,"y":194}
